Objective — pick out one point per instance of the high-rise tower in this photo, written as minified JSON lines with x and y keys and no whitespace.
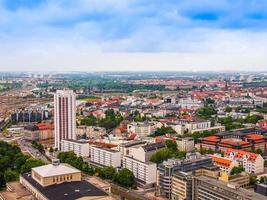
{"x":65,"y":116}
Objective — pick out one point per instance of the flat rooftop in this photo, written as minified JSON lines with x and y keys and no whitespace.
{"x":240,"y":191}
{"x":67,"y":190}
{"x":55,"y":170}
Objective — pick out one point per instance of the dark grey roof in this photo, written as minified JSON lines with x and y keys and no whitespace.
{"x":153,"y":146}
{"x":67,"y":190}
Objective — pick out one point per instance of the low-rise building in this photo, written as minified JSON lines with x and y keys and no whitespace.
{"x":79,"y":147}
{"x":185,"y":144}
{"x":142,"y":129}
{"x":225,"y":164}
{"x":38,"y":132}
{"x":144,"y":152}
{"x":261,"y":188}
{"x":252,"y":162}
{"x":59,"y":181}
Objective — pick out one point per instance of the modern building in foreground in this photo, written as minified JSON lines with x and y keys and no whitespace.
{"x":166,"y":170}
{"x":60,"y":181}
{"x":65,"y":116}
{"x":209,"y":188}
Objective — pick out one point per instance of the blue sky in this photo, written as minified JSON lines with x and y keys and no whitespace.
{"x":133,"y":35}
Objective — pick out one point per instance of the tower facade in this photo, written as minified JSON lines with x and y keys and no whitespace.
{"x":64,"y":116}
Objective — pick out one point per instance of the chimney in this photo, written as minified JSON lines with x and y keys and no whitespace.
{"x":55,"y":162}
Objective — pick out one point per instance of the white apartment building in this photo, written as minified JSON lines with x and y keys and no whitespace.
{"x":252,"y":162}
{"x":142,"y":129}
{"x":79,"y":147}
{"x":190,"y":103}
{"x":185,"y":144}
{"x":144,"y":172}
{"x":143,"y":153}
{"x":105,"y":156}
{"x":65,"y":116}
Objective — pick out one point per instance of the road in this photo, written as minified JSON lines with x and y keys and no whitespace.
{"x":27,"y":147}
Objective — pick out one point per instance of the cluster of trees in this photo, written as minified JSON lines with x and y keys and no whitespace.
{"x":242,"y":109}
{"x":237,"y":170}
{"x":204,"y":151}
{"x":137,"y":117}
{"x":262,"y":109}
{"x":9,"y":86}
{"x":38,"y":146}
{"x":170,"y":151}
{"x":231,"y":123}
{"x":71,"y":158}
{"x":258,"y":151}
{"x":198,"y":134}
{"x":123,"y":177}
{"x":206,"y":112}
{"x":13,"y":162}
{"x":164,"y":130}
{"x":111,"y":120}
{"x":100,"y":84}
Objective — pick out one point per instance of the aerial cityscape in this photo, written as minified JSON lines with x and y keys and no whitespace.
{"x":133,"y":100}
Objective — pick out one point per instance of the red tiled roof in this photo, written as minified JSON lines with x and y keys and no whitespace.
{"x":212,"y":138}
{"x":240,"y":154}
{"x":255,"y":137}
{"x":221,"y":161}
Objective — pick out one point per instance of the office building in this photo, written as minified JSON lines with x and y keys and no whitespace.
{"x":212,"y":189}
{"x":261,"y":188}
{"x":182,"y":182}
{"x":65,"y":116}
{"x":193,"y":161}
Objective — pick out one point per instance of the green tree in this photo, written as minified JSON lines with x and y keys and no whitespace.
{"x":263,"y":179}
{"x":89,"y":120}
{"x":164,"y":130}
{"x":19,"y":161}
{"x":252,"y":179}
{"x":253,"y":119}
{"x":51,"y":150}
{"x":257,"y":151}
{"x":172,"y":145}
{"x":228,"y":109}
{"x":88,"y":169}
{"x":180,"y":154}
{"x":206,"y":112}
{"x":161,"y":155}
{"x":11,"y":175}
{"x":237,"y":170}
{"x":124,"y":178}
{"x":107,"y":173}
{"x":31,"y":163}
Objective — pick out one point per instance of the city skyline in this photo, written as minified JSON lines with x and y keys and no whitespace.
{"x":91,"y":35}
